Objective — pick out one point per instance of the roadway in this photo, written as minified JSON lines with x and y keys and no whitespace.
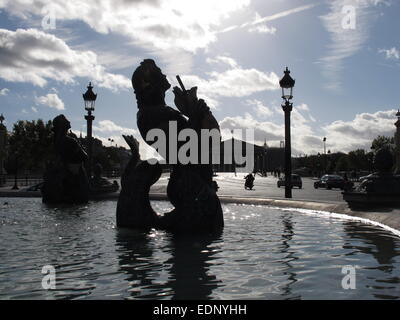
{"x":264,"y":187}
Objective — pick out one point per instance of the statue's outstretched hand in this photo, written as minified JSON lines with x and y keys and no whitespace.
{"x":186,"y":102}
{"x":133,"y":143}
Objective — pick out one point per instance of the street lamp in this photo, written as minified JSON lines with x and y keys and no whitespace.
{"x":3,"y":134}
{"x":90,"y":99}
{"x":287,"y":84}
{"x":324,"y":140}
{"x":233,"y":153}
{"x":397,"y":142}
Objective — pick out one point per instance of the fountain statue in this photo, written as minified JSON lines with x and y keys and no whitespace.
{"x":190,"y":189}
{"x":98,"y":185}
{"x":379,"y":189}
{"x":65,"y":179}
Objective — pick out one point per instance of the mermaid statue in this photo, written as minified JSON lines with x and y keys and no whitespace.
{"x":190,"y":189}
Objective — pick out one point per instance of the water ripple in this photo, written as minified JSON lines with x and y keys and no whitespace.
{"x":263,"y":253}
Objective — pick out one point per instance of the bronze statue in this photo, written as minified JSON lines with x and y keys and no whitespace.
{"x":65,"y":180}
{"x":190,"y":189}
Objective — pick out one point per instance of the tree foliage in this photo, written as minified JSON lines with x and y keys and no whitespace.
{"x":30,"y":145}
{"x":382,"y":142}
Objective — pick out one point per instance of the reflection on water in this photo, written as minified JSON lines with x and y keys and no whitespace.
{"x":182,"y":265}
{"x":384,"y":248}
{"x":290,"y":255}
{"x":263,"y":253}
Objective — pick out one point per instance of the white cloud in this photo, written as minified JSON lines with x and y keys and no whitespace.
{"x":345,"y":42}
{"x":233,"y":82}
{"x":258,"y":23}
{"x":51,"y":100}
{"x":115,"y":132}
{"x":262,"y":29}
{"x":261,"y":110}
{"x":34,"y":109}
{"x":4,"y":92}
{"x":161,"y":24}
{"x":359,"y":132}
{"x":223,"y":59}
{"x":392,"y":53}
{"x":110,"y":126}
{"x":34,"y":56}
{"x":341,"y":135}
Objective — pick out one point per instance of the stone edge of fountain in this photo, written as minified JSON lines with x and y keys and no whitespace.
{"x":389,"y":217}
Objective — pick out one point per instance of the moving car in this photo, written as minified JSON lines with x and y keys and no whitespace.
{"x":330,"y":181}
{"x":296,"y":181}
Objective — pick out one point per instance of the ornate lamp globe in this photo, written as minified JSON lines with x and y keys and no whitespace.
{"x":90,"y":98}
{"x":287,"y":84}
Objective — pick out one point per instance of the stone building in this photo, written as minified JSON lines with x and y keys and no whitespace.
{"x":266,"y":159}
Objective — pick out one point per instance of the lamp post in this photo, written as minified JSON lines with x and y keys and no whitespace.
{"x":90,"y":98}
{"x":233,"y":153}
{"x":324,"y":140}
{"x":397,"y":143}
{"x":287,"y":84}
{"x":3,"y":134}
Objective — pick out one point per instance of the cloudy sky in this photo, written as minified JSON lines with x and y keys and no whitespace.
{"x":343,"y":54}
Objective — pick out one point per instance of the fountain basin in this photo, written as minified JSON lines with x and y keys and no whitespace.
{"x":263,"y":253}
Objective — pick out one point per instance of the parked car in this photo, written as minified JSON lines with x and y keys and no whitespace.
{"x":330,"y":181}
{"x":296,"y":181}
{"x":361,"y":179}
{"x":36,"y":187}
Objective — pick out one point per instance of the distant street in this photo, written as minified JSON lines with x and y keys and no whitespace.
{"x":264,"y":187}
{"x":229,"y":185}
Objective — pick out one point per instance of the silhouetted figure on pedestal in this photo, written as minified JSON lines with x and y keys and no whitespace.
{"x":190,"y":188}
{"x":65,"y":180}
{"x":100,"y":185}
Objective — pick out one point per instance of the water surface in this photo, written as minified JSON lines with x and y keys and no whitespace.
{"x":263,"y":253}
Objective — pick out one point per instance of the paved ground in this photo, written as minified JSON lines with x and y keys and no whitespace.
{"x":233,"y":186}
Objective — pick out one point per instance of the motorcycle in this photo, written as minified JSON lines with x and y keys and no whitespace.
{"x":249,"y":183}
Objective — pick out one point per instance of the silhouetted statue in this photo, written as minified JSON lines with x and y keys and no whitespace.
{"x":100,"y":185}
{"x":190,"y":188}
{"x":65,"y":180}
{"x":380,"y":188}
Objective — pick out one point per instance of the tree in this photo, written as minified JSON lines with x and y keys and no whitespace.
{"x":360,"y":160}
{"x":342,"y":164}
{"x":30,"y":145}
{"x":382,"y":142}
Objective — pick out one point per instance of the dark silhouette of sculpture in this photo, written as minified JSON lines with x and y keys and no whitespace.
{"x":100,"y":185}
{"x":65,"y":180}
{"x":381,"y":188}
{"x":190,"y":188}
